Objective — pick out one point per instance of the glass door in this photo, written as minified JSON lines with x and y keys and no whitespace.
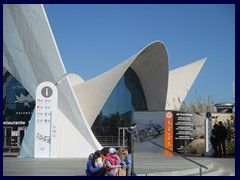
{"x":7,"y":136}
{"x":122,"y":137}
{"x":21,"y":133}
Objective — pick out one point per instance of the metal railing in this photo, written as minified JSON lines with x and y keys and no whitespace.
{"x":111,"y":141}
{"x":184,"y":157}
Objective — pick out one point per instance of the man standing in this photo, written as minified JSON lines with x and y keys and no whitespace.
{"x":214,"y":140}
{"x":221,"y":134}
{"x":132,"y":140}
{"x":132,"y":137}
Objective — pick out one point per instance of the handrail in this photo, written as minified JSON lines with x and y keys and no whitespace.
{"x":184,"y":157}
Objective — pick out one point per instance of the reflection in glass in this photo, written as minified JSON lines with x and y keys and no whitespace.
{"x":127,"y":96}
{"x":18,"y":103}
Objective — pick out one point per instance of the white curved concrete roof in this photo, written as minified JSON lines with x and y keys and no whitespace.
{"x":151,"y":66}
{"x":31,"y":55}
{"x":180,"y":82}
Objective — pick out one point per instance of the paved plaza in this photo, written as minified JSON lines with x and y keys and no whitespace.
{"x":145,"y":164}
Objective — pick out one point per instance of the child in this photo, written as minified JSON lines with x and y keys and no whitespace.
{"x":112,"y":164}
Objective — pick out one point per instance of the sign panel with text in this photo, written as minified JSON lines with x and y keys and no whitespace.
{"x":183,"y":130}
{"x":46,"y":103}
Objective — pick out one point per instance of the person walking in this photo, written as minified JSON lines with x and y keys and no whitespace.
{"x":221,"y":134}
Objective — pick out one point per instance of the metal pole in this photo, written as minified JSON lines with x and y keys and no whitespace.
{"x":200,"y":170}
{"x":123,"y":138}
{"x":118,"y":137}
{"x":132,"y":149}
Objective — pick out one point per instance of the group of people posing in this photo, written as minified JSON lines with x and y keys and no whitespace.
{"x":112,"y":162}
{"x":218,"y":136}
{"x":109,"y":162}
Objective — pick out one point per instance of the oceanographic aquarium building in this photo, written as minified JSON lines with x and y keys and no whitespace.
{"x":88,"y":112}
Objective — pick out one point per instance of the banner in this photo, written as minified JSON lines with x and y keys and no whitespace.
{"x":150,"y":125}
{"x":168,"y":133}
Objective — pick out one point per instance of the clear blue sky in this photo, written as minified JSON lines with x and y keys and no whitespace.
{"x":95,"y":38}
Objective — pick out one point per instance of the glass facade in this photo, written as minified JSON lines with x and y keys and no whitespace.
{"x":127,"y":97}
{"x":18,"y":103}
{"x":18,"y":106}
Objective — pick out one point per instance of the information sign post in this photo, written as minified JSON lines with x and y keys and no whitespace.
{"x":46,"y":104}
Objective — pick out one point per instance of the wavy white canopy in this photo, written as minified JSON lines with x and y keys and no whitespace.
{"x":151,"y":67}
{"x":180,"y":82}
{"x":31,"y":55}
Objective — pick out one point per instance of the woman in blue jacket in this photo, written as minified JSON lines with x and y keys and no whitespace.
{"x":93,"y":167}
